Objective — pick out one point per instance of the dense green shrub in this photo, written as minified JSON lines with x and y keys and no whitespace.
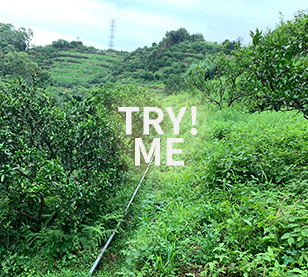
{"x":58,"y":167}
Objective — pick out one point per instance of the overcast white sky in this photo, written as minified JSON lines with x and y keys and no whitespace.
{"x":141,"y":22}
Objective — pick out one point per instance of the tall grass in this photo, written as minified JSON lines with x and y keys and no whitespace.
{"x":237,"y":207}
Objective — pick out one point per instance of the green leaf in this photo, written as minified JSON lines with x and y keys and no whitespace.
{"x":304,"y":232}
{"x":247,"y":221}
{"x":270,"y":250}
{"x":286,"y":235}
{"x":290,"y":241}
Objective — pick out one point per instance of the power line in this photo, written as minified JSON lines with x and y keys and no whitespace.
{"x":127,"y":43}
{"x":112,"y":27}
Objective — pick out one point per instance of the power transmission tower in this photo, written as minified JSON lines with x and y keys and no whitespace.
{"x":112,"y":27}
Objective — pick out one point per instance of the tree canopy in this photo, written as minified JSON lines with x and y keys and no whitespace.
{"x":278,"y":71}
{"x":18,"y":63}
{"x":269,"y":74}
{"x":14,"y":40}
{"x":175,"y":37}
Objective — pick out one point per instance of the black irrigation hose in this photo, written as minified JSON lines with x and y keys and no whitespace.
{"x":119,"y":223}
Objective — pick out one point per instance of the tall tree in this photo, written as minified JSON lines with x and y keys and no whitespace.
{"x":175,"y":37}
{"x":14,"y":40}
{"x":18,"y":63}
{"x":219,"y":78}
{"x":278,"y":70}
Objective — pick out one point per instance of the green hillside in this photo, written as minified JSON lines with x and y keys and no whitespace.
{"x":73,"y":67}
{"x":72,"y":64}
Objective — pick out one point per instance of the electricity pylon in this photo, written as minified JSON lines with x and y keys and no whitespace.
{"x":112,"y":27}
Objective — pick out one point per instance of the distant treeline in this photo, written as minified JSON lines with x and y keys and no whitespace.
{"x":171,"y":56}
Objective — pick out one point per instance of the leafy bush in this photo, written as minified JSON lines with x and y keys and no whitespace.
{"x":58,"y":166}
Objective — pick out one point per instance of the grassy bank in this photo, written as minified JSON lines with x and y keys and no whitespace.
{"x":237,"y":208}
